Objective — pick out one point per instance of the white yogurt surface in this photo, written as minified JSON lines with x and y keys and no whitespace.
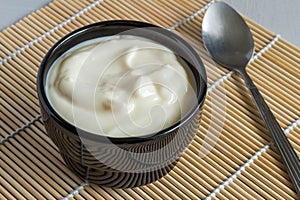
{"x":120,"y":86}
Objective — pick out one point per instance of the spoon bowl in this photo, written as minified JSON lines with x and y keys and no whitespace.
{"x":227,"y":37}
{"x":229,"y":41}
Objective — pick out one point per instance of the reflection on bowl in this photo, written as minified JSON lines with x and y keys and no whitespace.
{"x":123,"y":161}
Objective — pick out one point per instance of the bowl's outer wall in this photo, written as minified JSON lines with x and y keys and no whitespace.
{"x":114,"y":162}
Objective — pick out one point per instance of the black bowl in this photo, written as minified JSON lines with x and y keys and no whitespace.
{"x":131,"y":161}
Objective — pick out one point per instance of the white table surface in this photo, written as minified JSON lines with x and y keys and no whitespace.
{"x":280,"y":16}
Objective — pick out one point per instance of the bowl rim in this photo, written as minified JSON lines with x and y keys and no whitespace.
{"x":45,"y":104}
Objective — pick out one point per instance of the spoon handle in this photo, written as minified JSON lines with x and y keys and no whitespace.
{"x":283,"y":145}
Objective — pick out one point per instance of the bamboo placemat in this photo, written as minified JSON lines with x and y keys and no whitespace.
{"x":230,"y":158}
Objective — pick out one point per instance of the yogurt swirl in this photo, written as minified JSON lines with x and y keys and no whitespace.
{"x":120,"y":86}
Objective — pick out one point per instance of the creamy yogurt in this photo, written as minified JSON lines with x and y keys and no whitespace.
{"x":120,"y":86}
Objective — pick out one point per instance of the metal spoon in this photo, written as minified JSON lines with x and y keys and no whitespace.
{"x":229,"y":41}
